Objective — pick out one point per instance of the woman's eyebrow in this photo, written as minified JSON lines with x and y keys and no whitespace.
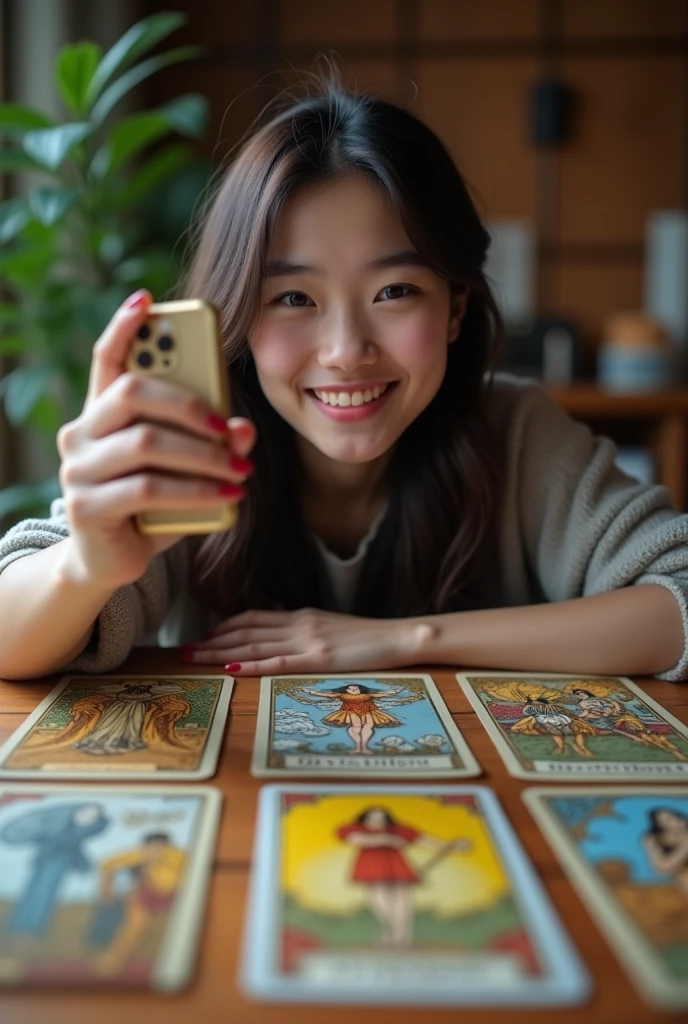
{"x":404,"y":258}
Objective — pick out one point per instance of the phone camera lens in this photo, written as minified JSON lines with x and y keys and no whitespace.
{"x":165,"y":343}
{"x":144,"y":332}
{"x":144,"y":359}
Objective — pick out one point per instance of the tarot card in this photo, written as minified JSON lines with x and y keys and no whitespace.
{"x":122,"y":727}
{"x":554,"y":726}
{"x":626,"y":852}
{"x":103,"y":886}
{"x":394,"y":895}
{"x":387,"y":725}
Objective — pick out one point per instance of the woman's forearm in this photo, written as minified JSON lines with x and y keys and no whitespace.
{"x":633,"y":631}
{"x":46,"y":613}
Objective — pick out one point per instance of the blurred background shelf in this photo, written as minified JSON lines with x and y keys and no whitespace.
{"x":658,"y":420}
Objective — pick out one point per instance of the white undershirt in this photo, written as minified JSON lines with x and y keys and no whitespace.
{"x":344,"y":573}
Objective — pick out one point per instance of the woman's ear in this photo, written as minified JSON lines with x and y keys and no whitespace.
{"x":457,"y":311}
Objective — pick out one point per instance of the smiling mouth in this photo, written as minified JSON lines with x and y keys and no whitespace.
{"x":344,"y":399}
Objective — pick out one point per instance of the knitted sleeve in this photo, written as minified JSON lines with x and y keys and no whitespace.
{"x":587,"y":527}
{"x":130,"y":614}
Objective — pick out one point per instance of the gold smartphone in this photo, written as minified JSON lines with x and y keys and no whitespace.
{"x":180,"y":342}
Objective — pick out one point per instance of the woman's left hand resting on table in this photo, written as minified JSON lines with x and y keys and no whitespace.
{"x":307,"y":640}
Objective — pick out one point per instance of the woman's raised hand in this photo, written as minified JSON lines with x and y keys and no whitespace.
{"x":140,"y":444}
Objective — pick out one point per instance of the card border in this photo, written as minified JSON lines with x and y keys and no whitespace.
{"x":177,"y":956}
{"x":567,"y":983}
{"x":637,"y":958}
{"x":510,"y":760}
{"x":205,"y":770}
{"x":259,"y":757}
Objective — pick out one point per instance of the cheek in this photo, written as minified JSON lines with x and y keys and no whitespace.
{"x":419,"y":343}
{"x":277,"y":354}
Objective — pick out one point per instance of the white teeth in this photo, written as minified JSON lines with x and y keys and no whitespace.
{"x":343,"y":399}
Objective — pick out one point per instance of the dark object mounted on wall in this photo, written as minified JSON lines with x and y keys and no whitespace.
{"x":549,"y":350}
{"x":551,"y":104}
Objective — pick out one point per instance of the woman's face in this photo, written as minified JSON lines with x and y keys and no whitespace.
{"x":351,"y":343}
{"x":353,"y":688}
{"x":375,"y":819}
{"x":670,"y":822}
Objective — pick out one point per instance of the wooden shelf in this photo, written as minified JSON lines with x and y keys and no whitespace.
{"x":662,"y":417}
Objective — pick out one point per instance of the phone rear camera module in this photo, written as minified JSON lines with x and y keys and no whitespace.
{"x":144,"y":360}
{"x":143,"y":332}
{"x":165,"y":343}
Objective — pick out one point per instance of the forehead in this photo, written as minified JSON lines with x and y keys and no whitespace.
{"x":348,"y":216}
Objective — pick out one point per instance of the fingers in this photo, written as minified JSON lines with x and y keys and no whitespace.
{"x":111,"y":349}
{"x":146,"y":446}
{"x":242,"y":435}
{"x":131,"y":495}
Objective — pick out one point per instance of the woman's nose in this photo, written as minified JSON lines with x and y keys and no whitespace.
{"x":346,"y":345}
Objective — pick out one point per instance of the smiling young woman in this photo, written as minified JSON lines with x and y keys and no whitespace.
{"x":405,"y":503}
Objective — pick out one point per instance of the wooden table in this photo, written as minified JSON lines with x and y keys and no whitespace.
{"x":214,"y":997}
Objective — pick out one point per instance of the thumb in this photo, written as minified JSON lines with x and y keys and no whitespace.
{"x":111,"y":349}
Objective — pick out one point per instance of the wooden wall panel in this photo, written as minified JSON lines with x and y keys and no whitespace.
{"x":329,"y":24}
{"x":642,"y":19}
{"x":625,"y":159}
{"x":486,"y":19}
{"x":478,"y":110}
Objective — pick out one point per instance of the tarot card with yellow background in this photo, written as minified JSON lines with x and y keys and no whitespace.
{"x":570,"y":728}
{"x":122,"y":728}
{"x":626,"y":851}
{"x":400,"y":895}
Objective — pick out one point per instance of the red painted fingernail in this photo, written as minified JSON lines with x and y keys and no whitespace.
{"x":239,"y":465}
{"x":233,"y":491}
{"x":186,"y":648}
{"x":234,"y":667}
{"x":216,"y":422}
{"x":186,"y":656}
{"x":139,"y":298}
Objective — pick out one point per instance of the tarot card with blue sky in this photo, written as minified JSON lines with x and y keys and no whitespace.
{"x":391,"y":725}
{"x":103,"y":887}
{"x":626,"y":852}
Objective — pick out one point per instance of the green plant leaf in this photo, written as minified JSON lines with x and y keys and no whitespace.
{"x":46,"y":415}
{"x":49,"y":147}
{"x":188,"y":114}
{"x":14,"y":161}
{"x":24,"y":497}
{"x":9,"y":314}
{"x":26,"y":268}
{"x":12,"y":344}
{"x":49,"y":205}
{"x":152,"y":173}
{"x":137,"y":40}
{"x":15,"y":119}
{"x":127,"y":138}
{"x":14,"y":216}
{"x":21,"y":389}
{"x":74,"y":70}
{"x":119,"y":88}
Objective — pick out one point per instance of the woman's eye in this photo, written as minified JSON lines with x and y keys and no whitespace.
{"x":396,"y":291}
{"x":292,"y":299}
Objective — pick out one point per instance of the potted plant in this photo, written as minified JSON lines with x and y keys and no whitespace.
{"x":78,"y":241}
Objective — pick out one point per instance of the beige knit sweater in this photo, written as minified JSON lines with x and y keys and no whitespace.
{"x":571,"y":524}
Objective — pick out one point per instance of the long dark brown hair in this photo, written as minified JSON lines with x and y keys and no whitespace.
{"x":443,"y":476}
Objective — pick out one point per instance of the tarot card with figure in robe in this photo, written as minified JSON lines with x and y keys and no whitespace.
{"x":390,"y":725}
{"x":103,"y":886}
{"x":626,"y":852}
{"x":565,"y":727}
{"x":400,"y":895}
{"x":122,"y":727}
